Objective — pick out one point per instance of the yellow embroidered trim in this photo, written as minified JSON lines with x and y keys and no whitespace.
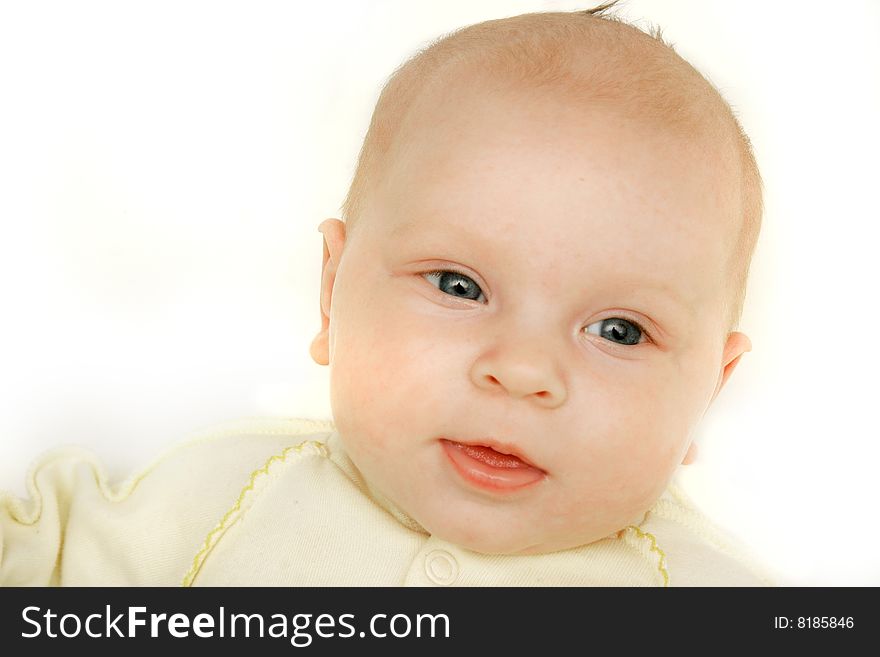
{"x":661,"y":563}
{"x":213,"y":535}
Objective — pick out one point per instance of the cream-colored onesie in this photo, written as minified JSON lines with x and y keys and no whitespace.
{"x":278,"y":502}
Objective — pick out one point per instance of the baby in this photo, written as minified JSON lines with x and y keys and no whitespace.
{"x":528,"y":309}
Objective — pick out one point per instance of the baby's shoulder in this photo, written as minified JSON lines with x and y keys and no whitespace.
{"x":696,"y":551}
{"x":245,"y":439}
{"x":230,"y":451}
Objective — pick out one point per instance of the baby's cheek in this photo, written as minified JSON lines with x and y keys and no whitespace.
{"x":582,"y":514}
{"x":623,"y":476}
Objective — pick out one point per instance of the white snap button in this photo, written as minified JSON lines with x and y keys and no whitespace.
{"x":441,"y":567}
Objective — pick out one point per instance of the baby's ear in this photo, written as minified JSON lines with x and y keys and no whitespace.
{"x":334,"y":239}
{"x":737,"y":344}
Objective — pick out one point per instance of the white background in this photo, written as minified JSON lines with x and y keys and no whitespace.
{"x":164,"y":167}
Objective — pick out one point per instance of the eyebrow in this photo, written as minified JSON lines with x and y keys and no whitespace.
{"x":403,"y":228}
{"x":672,"y":295}
{"x":439,"y":231}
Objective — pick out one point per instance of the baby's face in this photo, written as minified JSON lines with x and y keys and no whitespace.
{"x":577,"y":321}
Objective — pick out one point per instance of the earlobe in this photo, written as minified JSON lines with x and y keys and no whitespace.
{"x":333,"y":243}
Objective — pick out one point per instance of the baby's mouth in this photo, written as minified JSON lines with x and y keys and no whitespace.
{"x":490,"y":468}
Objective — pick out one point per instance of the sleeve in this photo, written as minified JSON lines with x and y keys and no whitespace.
{"x":76,"y":529}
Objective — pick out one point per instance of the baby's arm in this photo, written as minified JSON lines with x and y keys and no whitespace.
{"x":79,"y":530}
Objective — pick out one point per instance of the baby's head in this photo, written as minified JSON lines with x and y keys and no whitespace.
{"x":544,"y":251}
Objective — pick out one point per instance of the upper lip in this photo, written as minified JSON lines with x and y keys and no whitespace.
{"x":498,"y":446}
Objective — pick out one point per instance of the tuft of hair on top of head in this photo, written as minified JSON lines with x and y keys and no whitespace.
{"x":598,"y":9}
{"x":655,"y":31}
{"x":639,"y":72}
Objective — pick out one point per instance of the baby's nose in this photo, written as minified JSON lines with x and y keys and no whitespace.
{"x":521,"y":375}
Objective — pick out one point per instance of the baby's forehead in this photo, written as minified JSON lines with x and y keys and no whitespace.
{"x":548,"y":147}
{"x":462,"y":108}
{"x":457,"y":138}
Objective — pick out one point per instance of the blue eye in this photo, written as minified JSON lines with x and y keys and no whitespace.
{"x":618,"y":330}
{"x":455,"y":284}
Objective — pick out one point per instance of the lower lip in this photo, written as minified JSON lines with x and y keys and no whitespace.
{"x":488,"y":476}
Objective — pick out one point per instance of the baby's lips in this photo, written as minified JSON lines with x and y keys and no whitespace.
{"x":494,"y":453}
{"x":488,"y":469}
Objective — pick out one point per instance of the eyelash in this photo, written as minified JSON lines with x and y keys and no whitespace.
{"x":440,"y":272}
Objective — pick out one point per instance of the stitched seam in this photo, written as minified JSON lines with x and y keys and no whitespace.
{"x":214,"y":535}
{"x":643,"y":535}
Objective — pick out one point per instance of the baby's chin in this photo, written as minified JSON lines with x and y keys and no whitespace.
{"x":512,"y":545}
